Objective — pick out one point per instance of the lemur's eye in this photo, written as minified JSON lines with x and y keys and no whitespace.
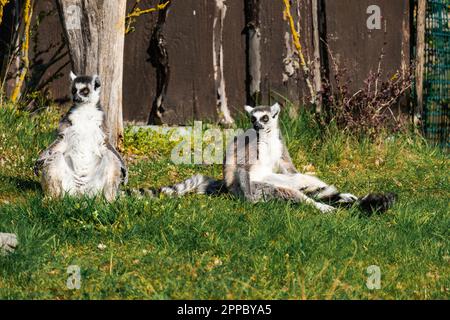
{"x":74,"y":90}
{"x":253,"y":119}
{"x":265,"y":118}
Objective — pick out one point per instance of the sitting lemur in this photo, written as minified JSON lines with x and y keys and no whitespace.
{"x":82,"y":161}
{"x":257,"y":167}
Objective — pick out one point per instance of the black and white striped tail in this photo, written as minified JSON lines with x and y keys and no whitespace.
{"x":199,"y":184}
{"x":141,"y":192}
{"x":377,"y":202}
{"x":373,"y":202}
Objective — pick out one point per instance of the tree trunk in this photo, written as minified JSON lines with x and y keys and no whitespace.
{"x":95,"y":31}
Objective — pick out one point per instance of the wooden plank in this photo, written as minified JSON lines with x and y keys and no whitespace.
{"x":298,"y":88}
{"x":199,"y":55}
{"x":273,"y":51}
{"x":281,"y":76}
{"x":358,"y":49}
{"x":317,"y":68}
{"x":49,"y":60}
{"x":49,"y":56}
{"x":420,"y":55}
{"x":8,"y":41}
{"x":253,"y":51}
{"x":139,"y":77}
{"x":234,"y":56}
{"x":305,"y":23}
{"x":189,"y":91}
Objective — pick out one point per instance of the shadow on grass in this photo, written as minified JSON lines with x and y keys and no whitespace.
{"x":21,"y":184}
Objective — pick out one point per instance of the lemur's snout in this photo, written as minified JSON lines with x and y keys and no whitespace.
{"x":77,"y":98}
{"x":257,"y":126}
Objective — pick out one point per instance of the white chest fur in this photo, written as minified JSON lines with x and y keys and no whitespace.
{"x":270,"y":150}
{"x":85,"y":140}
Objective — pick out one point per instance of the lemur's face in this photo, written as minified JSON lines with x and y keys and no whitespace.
{"x":85,"y":89}
{"x":264,"y":118}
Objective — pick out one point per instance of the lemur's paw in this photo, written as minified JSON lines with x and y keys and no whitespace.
{"x":347,"y":198}
{"x":325,"y":208}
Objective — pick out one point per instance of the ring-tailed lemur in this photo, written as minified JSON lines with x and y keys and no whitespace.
{"x":81,"y":161}
{"x":271,"y":174}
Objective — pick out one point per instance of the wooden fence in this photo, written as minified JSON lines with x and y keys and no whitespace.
{"x":204,"y":59}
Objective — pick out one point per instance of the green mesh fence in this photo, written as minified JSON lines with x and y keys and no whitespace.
{"x":437,"y":73}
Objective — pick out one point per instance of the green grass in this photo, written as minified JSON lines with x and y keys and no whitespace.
{"x":219,"y":247}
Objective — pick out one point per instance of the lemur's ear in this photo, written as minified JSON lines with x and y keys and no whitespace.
{"x":73,"y":76}
{"x":97,"y":83}
{"x":275,"y":110}
{"x":249,"y":109}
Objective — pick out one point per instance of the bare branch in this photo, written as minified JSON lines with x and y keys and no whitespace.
{"x":137,"y":12}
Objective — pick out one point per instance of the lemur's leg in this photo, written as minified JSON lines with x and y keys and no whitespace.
{"x":242,"y":186}
{"x":112,"y":178}
{"x":107,"y":177}
{"x":57,"y":177}
{"x":305,"y":183}
{"x":322,"y":191}
{"x":256,"y":191}
{"x":311,"y":186}
{"x":264,"y":191}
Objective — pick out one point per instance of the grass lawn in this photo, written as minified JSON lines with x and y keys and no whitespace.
{"x":200,"y":247}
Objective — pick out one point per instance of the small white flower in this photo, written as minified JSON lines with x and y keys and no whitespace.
{"x":101,"y":246}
